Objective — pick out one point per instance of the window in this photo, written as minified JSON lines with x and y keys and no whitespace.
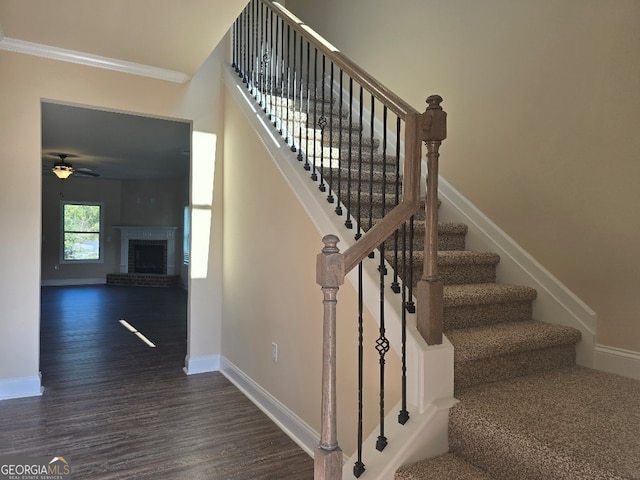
{"x":186,"y":239}
{"x":81,"y":232}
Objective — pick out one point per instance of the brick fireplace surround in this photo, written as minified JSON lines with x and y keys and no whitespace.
{"x":149,"y":235}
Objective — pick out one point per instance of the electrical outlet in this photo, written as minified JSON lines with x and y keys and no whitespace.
{"x":274,"y":352}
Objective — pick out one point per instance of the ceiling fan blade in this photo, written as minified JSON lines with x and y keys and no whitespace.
{"x":85,"y":172}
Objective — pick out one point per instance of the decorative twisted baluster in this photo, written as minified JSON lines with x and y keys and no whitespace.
{"x":430,"y":290}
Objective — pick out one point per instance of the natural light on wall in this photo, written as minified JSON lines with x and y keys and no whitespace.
{"x":203,"y":151}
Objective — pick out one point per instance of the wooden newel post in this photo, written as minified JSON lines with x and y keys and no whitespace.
{"x":329,"y":275}
{"x":429,"y":292}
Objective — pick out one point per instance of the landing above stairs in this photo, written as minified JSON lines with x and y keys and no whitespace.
{"x":571,"y":424}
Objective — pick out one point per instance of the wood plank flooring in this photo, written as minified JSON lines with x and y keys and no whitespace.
{"x":115,"y":408}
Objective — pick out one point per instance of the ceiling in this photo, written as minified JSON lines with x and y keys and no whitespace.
{"x":164,"y":34}
{"x":115,"y":145}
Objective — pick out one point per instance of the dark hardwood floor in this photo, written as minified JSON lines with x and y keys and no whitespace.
{"x":116,"y":408}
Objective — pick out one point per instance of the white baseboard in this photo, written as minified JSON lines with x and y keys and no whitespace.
{"x":298,"y":430}
{"x":21,"y":387}
{"x":617,"y":360}
{"x":195,"y":365}
{"x":73,"y":281}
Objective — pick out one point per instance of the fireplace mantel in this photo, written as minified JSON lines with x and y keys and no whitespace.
{"x":134,"y":232}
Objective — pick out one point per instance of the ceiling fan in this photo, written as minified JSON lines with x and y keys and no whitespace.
{"x":64,"y":169}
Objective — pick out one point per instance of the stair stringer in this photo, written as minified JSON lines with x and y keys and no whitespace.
{"x":429,"y":368}
{"x":555,"y":303}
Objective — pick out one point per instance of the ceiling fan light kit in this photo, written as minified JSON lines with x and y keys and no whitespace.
{"x":62,"y":169}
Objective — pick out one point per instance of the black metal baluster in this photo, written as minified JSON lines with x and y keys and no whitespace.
{"x":288,"y":69}
{"x":382,"y":346}
{"x":307,"y":167}
{"x":292,"y":125}
{"x":395,"y":285}
{"x":339,"y":189}
{"x":371,"y":133}
{"x":359,"y":200}
{"x":300,"y":114}
{"x":322,"y":123}
{"x":403,"y":416}
{"x":234,"y":49}
{"x":382,"y":343}
{"x":382,"y":266}
{"x":247,"y":53}
{"x":240,"y":44}
{"x":281,"y":91}
{"x":272,"y":58}
{"x":264,"y":58}
{"x":410,"y":305}
{"x":277,"y":77}
{"x":358,"y":468}
{"x":257,"y":50}
{"x":314,"y":174}
{"x":250,"y":44}
{"x":348,"y":223}
{"x":330,"y":198}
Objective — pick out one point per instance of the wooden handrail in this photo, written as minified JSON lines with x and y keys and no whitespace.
{"x":404,"y":210}
{"x":382,"y":93}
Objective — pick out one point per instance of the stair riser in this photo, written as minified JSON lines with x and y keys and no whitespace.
{"x":503,"y":367}
{"x":477,"y":315}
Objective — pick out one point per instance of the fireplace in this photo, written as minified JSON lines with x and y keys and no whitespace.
{"x":147,"y":257}
{"x":132,"y":236}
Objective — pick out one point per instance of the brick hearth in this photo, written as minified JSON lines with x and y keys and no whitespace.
{"x":142,"y":280}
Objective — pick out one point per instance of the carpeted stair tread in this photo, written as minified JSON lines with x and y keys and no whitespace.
{"x":455,"y":267}
{"x":443,"y":467}
{"x":486,"y":293}
{"x":573,"y":423}
{"x":507,"y":338}
{"x":466,"y":257}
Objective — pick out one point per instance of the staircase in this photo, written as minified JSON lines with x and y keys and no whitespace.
{"x":526,"y":410}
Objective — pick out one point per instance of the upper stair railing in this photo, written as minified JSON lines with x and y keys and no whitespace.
{"x":362,"y":145}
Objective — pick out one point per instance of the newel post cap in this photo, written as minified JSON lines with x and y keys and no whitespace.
{"x":330,"y":264}
{"x":434,"y":120}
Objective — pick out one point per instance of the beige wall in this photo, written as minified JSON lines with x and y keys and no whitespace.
{"x":79,"y":189}
{"x":270,"y":294}
{"x":544,"y":106}
{"x":133,"y":202}
{"x":24,"y":82}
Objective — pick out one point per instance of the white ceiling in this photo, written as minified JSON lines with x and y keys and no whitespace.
{"x":164,"y":34}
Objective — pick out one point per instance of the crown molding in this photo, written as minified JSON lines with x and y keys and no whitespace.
{"x":72,"y":56}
